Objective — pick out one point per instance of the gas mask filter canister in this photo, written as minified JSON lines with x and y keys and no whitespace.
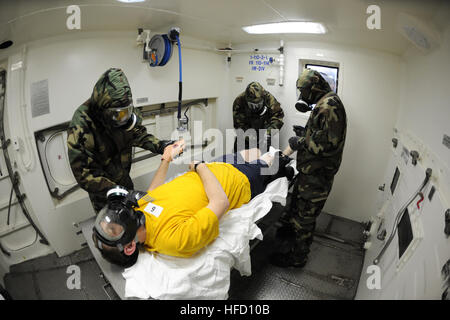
{"x":301,"y":105}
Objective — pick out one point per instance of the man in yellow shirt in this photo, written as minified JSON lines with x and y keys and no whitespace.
{"x":180,"y":217}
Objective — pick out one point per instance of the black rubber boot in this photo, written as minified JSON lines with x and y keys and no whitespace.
{"x":295,"y":254}
{"x":287,"y":260}
{"x":286,"y":232}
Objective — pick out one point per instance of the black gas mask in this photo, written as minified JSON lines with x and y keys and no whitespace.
{"x":116,"y":226}
{"x":122,"y":117}
{"x":256,"y":107}
{"x":302,"y":104}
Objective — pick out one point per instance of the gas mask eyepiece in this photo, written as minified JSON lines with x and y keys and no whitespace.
{"x":117,"y":223}
{"x":122,"y":117}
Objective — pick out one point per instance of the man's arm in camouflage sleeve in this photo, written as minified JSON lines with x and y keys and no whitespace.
{"x":324,"y":134}
{"x":276,"y":120}
{"x":239,"y":114}
{"x":88,"y":173}
{"x":145,"y":140}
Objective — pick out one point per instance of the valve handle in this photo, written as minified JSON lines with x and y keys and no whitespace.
{"x":421,"y":199}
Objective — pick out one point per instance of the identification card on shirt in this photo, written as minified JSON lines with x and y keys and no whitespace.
{"x":153,"y":209}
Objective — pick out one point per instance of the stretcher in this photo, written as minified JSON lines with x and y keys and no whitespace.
{"x":163,"y":277}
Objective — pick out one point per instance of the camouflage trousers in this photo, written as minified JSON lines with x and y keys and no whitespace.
{"x":309,"y":195}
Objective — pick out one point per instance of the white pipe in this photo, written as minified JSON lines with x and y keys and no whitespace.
{"x":25,"y":128}
{"x":266,"y":51}
{"x":281,"y":63}
{"x":198,"y":48}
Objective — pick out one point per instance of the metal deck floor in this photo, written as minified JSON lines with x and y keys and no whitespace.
{"x":332,"y":272}
{"x":45,"y":278}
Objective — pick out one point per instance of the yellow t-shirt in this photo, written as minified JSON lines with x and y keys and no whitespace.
{"x":185,"y":225}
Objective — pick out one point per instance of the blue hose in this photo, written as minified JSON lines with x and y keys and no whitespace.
{"x":180,"y":83}
{"x":179,"y":58}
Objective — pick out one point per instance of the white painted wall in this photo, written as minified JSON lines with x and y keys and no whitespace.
{"x":425,"y":104}
{"x":369,"y":84}
{"x":72,"y":65}
{"x":422,"y":120}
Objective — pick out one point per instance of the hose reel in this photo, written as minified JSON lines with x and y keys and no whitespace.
{"x":158,"y":51}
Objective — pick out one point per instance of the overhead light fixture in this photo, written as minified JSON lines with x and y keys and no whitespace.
{"x":130,"y":1}
{"x":286,"y":27}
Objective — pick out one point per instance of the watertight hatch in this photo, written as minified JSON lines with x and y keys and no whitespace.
{"x":52,"y":148}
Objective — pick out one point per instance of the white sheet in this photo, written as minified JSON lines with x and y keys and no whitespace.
{"x":206,"y":275}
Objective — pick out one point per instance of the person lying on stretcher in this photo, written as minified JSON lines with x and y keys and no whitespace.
{"x":181,"y":217}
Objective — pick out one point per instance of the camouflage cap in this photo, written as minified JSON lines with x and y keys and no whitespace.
{"x":112,"y":90}
{"x":254,"y":92}
{"x":312,"y":85}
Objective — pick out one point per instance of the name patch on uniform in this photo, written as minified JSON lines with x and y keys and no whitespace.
{"x":153,"y":209}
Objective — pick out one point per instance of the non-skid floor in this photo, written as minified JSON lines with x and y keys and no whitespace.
{"x":333,"y":271}
{"x":46,"y":278}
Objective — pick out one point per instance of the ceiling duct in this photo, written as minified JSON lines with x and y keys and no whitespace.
{"x":5,"y":38}
{"x":5,"y":44}
{"x":423,"y":36}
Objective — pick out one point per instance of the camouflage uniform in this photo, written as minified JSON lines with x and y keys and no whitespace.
{"x":244,"y":118}
{"x":100,"y":154}
{"x":319,"y":155}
